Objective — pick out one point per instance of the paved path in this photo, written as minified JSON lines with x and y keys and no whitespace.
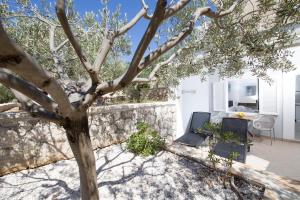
{"x":282,"y":157}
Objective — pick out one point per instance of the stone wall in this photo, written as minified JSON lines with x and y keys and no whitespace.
{"x":26,"y":142}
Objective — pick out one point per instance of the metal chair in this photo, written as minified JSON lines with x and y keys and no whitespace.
{"x":239,"y":127}
{"x":265,"y":123}
{"x":192,"y":137}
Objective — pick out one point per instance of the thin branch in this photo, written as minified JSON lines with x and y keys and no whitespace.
{"x":15,"y":59}
{"x":175,"y":8}
{"x":133,"y":71}
{"x":130,"y":24}
{"x":110,"y":37}
{"x":141,"y":80}
{"x":136,"y":64}
{"x":166,"y":46}
{"x":216,"y":15}
{"x":103,"y":50}
{"x":27,"y":89}
{"x":51,"y":38}
{"x":146,"y":16}
{"x":151,"y":76}
{"x":125,"y":79}
{"x":38,"y":17}
{"x":62,"y":44}
{"x":61,"y":14}
{"x":43,"y":19}
{"x":144,"y":4}
{"x":164,"y":63}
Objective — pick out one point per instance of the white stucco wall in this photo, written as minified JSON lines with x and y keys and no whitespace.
{"x":289,"y":80}
{"x":192,"y":95}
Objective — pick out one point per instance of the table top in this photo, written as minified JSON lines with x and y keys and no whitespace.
{"x":249,"y":118}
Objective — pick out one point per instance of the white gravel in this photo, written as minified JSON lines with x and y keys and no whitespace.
{"x":121,"y":175}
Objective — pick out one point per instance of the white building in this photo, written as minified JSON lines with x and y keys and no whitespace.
{"x":253,"y":95}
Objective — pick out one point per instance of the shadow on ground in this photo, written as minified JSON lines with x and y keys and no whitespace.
{"x":121,"y":175}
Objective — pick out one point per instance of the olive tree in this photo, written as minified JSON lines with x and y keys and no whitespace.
{"x":46,"y":97}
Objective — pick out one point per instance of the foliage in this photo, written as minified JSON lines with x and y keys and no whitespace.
{"x":211,"y":127}
{"x":21,"y":22}
{"x":135,"y":91}
{"x":5,"y":95}
{"x":228,"y":137}
{"x":252,"y":38}
{"x":146,"y":141}
{"x":213,"y":159}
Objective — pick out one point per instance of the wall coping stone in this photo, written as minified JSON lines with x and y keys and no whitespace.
{"x":120,"y":107}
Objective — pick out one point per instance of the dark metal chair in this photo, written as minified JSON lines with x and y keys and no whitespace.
{"x":239,"y":127}
{"x":192,"y":137}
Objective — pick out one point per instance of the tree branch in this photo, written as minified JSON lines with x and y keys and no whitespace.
{"x":166,"y":46}
{"x":175,"y":8}
{"x":27,"y":89}
{"x":216,"y":15}
{"x":110,"y":37}
{"x":133,"y":70}
{"x":130,"y":24}
{"x":41,"y":18}
{"x":127,"y":77}
{"x":63,"y":43}
{"x":51,"y":38}
{"x":136,"y":64}
{"x":60,"y":12}
{"x":14,"y":58}
{"x":151,"y":76}
{"x":144,"y":43}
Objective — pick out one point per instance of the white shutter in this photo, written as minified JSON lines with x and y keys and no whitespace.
{"x":220,"y":94}
{"x":268,"y":102}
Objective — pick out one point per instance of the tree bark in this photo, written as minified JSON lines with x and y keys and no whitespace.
{"x":80,"y":142}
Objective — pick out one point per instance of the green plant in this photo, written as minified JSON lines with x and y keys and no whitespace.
{"x":146,"y":141}
{"x":5,"y":95}
{"x":213,"y":159}
{"x":211,"y":127}
{"x":228,"y":137}
{"x":229,"y":161}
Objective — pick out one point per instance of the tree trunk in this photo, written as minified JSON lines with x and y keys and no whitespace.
{"x":80,"y":142}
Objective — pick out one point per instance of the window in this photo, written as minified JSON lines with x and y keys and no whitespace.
{"x":243,"y":95}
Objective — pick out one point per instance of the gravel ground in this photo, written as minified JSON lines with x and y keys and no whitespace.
{"x":121,"y":175}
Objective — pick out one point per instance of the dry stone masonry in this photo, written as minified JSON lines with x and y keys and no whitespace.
{"x":26,"y":142}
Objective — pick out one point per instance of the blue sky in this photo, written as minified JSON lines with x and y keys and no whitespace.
{"x":130,"y":7}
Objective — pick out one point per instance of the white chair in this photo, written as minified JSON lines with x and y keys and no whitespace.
{"x":265,"y":123}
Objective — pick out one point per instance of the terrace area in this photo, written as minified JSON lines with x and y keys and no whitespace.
{"x":281,"y":158}
{"x":276,"y":166}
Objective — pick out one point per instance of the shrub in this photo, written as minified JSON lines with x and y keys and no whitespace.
{"x":5,"y":95}
{"x":146,"y":141}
